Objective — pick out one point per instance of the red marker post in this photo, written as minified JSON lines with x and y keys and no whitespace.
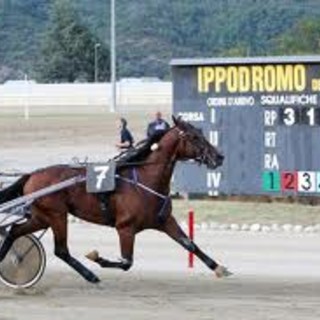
{"x":191,"y":235}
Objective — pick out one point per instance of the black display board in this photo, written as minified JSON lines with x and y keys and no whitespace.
{"x":264,"y":116}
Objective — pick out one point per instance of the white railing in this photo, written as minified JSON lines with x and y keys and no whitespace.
{"x":132,"y":95}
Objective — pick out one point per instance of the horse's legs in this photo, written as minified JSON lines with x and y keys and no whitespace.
{"x":126,"y":237}
{"x":59,"y":228}
{"x":172,"y":229}
{"x":19,"y":230}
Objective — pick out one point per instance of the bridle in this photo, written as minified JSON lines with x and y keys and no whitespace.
{"x":184,"y":137}
{"x":201,"y":150}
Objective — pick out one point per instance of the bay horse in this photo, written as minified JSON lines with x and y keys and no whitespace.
{"x":140,"y":201}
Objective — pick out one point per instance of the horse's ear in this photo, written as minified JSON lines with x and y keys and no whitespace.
{"x":176,"y":120}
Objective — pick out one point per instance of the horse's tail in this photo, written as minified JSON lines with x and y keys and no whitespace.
{"x":15,"y":190}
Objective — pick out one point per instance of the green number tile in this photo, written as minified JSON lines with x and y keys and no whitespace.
{"x":271,"y":181}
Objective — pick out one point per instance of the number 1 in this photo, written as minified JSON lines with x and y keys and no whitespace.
{"x":310,"y":114}
{"x":271,"y":181}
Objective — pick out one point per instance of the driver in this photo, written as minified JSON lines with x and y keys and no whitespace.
{"x":126,"y":138}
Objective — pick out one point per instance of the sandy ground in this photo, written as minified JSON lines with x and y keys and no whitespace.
{"x":276,"y":276}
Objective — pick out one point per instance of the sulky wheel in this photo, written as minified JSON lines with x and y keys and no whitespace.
{"x":24,"y":264}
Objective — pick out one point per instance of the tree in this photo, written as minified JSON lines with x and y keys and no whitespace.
{"x":68,"y":49}
{"x":7,"y":73}
{"x":149,"y":33}
{"x":303,"y":38}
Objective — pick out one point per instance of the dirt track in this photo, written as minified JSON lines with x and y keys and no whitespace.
{"x":277,"y":276}
{"x":165,"y":296}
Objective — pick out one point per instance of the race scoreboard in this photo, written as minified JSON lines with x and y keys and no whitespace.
{"x":262,"y":113}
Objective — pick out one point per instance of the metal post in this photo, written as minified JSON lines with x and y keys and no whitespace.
{"x":96,"y":74}
{"x":113,"y":59}
{"x":191,"y":236}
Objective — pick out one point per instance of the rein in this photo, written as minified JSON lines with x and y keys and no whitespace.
{"x":138,"y":164}
{"x":146,"y":163}
{"x":135,"y":182}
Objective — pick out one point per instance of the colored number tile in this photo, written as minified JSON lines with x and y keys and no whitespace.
{"x":271,"y":181}
{"x":318,"y":181}
{"x":307,"y":181}
{"x":289,"y":181}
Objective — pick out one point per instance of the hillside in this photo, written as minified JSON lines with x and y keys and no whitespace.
{"x":150,"y":33}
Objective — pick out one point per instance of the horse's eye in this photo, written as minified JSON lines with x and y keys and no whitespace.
{"x":196,"y":138}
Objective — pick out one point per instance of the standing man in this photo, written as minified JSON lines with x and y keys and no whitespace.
{"x":126,"y":138}
{"x":157,"y":125}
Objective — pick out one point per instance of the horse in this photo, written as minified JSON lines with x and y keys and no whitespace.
{"x":140,"y":200}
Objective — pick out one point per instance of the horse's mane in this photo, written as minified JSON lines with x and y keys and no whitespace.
{"x":140,"y":151}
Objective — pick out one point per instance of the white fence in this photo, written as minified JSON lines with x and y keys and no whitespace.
{"x":137,"y":95}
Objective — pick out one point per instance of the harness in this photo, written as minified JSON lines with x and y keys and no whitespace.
{"x":161,"y":216}
{"x":134,"y":181}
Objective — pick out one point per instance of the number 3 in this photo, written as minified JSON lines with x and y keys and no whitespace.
{"x":102,"y":170}
{"x":306,"y":185}
{"x":289,"y":119}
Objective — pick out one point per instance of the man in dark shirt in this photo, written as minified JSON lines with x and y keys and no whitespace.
{"x":126,"y":138}
{"x":157,"y":125}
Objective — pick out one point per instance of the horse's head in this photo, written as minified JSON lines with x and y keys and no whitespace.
{"x":193,"y":145}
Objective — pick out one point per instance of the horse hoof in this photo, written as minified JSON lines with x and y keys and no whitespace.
{"x":94,"y":279}
{"x":93,"y":255}
{"x":222,"y":272}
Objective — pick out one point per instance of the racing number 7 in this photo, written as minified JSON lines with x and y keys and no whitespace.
{"x":102,"y":174}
